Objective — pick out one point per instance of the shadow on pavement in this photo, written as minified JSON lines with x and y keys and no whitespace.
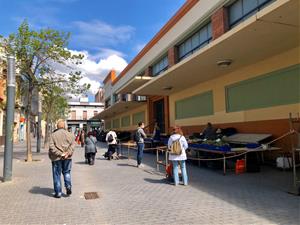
{"x":158,"y":181}
{"x":125,"y":164}
{"x":81,"y":163}
{"x":42,"y":191}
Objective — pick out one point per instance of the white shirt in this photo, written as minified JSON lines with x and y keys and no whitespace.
{"x":183,"y":144}
{"x":114,"y":137}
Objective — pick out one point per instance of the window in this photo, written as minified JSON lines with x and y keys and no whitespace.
{"x":280,"y":87}
{"x":199,"y":39}
{"x":242,"y":9}
{"x":160,"y":66}
{"x":107,"y":103}
{"x":195,"y":106}
{"x":73,"y":115}
{"x":84,"y":115}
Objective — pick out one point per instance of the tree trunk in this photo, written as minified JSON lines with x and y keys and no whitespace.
{"x":28,"y":124}
{"x":47,"y":132}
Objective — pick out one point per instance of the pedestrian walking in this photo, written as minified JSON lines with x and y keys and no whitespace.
{"x":111,"y":139}
{"x":139,"y":139}
{"x":61,"y":148}
{"x":90,"y":148}
{"x":179,"y":158}
{"x":82,"y":137}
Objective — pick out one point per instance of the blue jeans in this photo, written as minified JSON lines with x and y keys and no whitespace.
{"x":140,"y":151}
{"x":183,"y":172}
{"x":61,"y":167}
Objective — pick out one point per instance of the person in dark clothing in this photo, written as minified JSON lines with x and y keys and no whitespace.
{"x":156,"y":132}
{"x":209,"y":132}
{"x":90,"y":148}
{"x":140,"y":135}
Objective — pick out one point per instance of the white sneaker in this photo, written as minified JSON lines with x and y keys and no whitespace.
{"x":141,"y":166}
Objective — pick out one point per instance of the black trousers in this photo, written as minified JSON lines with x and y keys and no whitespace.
{"x":90,"y":157}
{"x":111,"y":150}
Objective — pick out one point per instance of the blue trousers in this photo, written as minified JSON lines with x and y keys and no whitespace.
{"x":183,"y":172}
{"x":61,"y":167}
{"x":140,"y":151}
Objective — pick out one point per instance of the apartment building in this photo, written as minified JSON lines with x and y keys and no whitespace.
{"x":234,"y":63}
{"x":81,"y":114}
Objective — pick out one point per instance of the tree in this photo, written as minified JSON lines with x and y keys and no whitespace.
{"x":37,"y":54}
{"x":55,"y":106}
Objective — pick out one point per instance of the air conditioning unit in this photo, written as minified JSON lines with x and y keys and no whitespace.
{"x":140,"y":98}
{"x":129,"y":97}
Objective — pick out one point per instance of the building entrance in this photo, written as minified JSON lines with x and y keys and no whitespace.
{"x":158,"y":113}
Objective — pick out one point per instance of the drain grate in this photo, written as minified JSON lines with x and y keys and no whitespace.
{"x":91,"y":195}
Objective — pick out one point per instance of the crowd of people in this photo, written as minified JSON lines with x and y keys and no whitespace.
{"x":63,"y":142}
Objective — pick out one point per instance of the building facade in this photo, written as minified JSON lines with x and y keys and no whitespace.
{"x":81,"y":114}
{"x":99,"y":96}
{"x":234,"y":63}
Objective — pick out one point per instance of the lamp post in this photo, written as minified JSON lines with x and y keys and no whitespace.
{"x":39,"y":125}
{"x":10,"y":114}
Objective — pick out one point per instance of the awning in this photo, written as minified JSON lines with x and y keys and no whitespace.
{"x":118,"y":108}
{"x":271,"y":31}
{"x":133,"y":84}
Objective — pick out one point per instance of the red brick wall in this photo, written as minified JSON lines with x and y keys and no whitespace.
{"x":219,"y":22}
{"x":148,"y":71}
{"x":172,"y":56}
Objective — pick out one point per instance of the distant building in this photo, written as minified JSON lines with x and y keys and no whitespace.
{"x":99,"y":97}
{"x":81,"y":114}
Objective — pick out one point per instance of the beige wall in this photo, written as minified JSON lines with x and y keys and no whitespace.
{"x":276,"y":62}
{"x":131,"y":112}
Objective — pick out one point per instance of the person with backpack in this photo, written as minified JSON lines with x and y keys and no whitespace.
{"x":177,"y":145}
{"x":139,"y":139}
{"x":111,"y":139}
{"x":90,"y":148}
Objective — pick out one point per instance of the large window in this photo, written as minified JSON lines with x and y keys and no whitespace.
{"x":138,"y":117}
{"x":160,"y":66}
{"x":199,"y":39}
{"x":242,"y":9}
{"x":276,"y":88}
{"x":195,"y":106}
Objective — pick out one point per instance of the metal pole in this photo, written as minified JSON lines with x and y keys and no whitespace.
{"x":9,"y":125}
{"x":39,"y":126}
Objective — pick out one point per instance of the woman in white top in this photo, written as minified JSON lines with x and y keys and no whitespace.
{"x":178,"y":135}
{"x":111,"y":139}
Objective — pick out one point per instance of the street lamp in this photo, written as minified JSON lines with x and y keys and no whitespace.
{"x":10,"y":114}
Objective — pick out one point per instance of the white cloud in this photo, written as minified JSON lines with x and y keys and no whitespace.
{"x":96,"y":34}
{"x":94,"y":72}
{"x":94,"y":84}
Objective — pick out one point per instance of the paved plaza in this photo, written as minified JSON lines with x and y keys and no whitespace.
{"x":129,"y":195}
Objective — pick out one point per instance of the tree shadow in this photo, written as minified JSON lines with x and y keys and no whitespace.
{"x":42,"y":191}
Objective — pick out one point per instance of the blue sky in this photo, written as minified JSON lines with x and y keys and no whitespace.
{"x":110,"y":33}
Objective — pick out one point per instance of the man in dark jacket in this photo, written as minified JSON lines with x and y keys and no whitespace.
{"x":61,"y":148}
{"x":140,"y":135}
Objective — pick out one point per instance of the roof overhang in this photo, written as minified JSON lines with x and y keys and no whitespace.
{"x":271,"y":31}
{"x":118,"y":108}
{"x":134,"y":83}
